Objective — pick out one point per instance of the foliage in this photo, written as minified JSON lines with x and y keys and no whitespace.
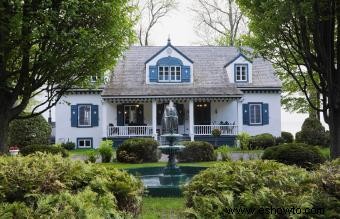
{"x":279,"y":140}
{"x":92,"y":156}
{"x":50,"y":185}
{"x":196,"y":151}
{"x":167,"y":207}
{"x":23,"y":132}
{"x":312,"y":133}
{"x":138,"y":150}
{"x":262,"y":141}
{"x":216,"y":132}
{"x":248,"y":184}
{"x":244,"y":139}
{"x":224,"y":152}
{"x":69,"y":145}
{"x":287,"y":137}
{"x":301,"y":155}
{"x":106,"y":151}
{"x":31,"y":149}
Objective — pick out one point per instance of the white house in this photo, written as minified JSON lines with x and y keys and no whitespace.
{"x":212,"y":87}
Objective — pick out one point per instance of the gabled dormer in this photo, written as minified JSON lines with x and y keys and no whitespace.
{"x":239,"y":69}
{"x":168,"y":66}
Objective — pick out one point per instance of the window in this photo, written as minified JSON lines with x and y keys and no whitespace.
{"x":255,"y":114}
{"x":94,"y":78}
{"x":169,"y":73}
{"x":130,"y":114}
{"x":84,"y":142}
{"x":84,"y":115}
{"x":241,"y":73}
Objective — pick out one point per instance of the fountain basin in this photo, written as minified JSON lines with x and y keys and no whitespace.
{"x":159,"y":184}
{"x":168,"y":149}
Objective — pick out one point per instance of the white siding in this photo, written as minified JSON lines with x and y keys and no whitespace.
{"x":64,"y":131}
{"x":223,"y":111}
{"x":231,"y":71}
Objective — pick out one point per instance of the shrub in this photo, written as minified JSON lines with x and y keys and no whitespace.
{"x":138,"y":150}
{"x":287,"y":137}
{"x":244,"y":139}
{"x":248,"y":184}
{"x":31,"y":149}
{"x":216,"y":132}
{"x":301,"y":155}
{"x":312,"y":133}
{"x":54,"y":187}
{"x":24,"y":132}
{"x":196,"y":151}
{"x":279,"y":140}
{"x":106,"y":151}
{"x":224,"y":152}
{"x":92,"y":156}
{"x":69,"y":145}
{"x":262,"y":141}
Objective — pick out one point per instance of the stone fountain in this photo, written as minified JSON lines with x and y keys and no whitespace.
{"x":166,"y":181}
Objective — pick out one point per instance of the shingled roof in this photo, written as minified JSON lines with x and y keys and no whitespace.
{"x":209,"y":74}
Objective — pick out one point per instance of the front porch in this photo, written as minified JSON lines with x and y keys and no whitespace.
{"x":197,"y":118}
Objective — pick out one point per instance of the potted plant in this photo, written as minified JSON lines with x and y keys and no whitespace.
{"x":14,"y":150}
{"x":216,"y":133}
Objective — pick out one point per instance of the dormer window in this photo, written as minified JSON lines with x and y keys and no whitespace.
{"x":241,"y":72}
{"x":169,"y":74}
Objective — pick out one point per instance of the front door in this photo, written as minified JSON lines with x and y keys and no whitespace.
{"x":202,"y":115}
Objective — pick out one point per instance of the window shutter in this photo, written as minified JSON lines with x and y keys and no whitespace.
{"x":153,"y":73}
{"x":180,"y":111}
{"x":265,"y":114}
{"x":140,"y":115}
{"x":94,"y":115}
{"x":74,"y":116}
{"x":185,"y":74}
{"x":120,"y":115}
{"x":245,"y":110}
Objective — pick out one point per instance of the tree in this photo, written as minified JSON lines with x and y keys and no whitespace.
{"x":149,"y":13}
{"x":303,"y":38}
{"x":51,"y":46}
{"x":220,"y":22}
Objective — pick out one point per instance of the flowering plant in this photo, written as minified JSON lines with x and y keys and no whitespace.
{"x":14,"y":147}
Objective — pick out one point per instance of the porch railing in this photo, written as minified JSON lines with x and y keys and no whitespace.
{"x":207,"y":129}
{"x":114,"y":131}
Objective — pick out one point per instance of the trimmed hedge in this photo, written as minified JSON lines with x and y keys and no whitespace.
{"x":196,"y":151}
{"x":24,"y":132}
{"x":68,"y":145}
{"x":106,"y":151}
{"x":138,"y":150}
{"x":248,"y":184}
{"x":287,"y":137}
{"x":47,"y":186}
{"x":31,"y":149}
{"x":262,"y":141}
{"x":302,"y":155}
{"x":312,"y":133}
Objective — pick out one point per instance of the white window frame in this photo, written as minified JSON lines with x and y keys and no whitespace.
{"x":94,"y":78}
{"x":250,"y":113}
{"x":84,"y":140}
{"x":90,"y":124}
{"x":241,"y":66}
{"x":161,"y":79}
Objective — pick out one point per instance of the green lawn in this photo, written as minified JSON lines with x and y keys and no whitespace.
{"x":80,"y":151}
{"x":154,"y":208}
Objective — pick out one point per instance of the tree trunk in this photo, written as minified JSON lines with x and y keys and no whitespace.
{"x":4,"y":126}
{"x":334,"y":128}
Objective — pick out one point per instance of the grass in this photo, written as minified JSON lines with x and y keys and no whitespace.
{"x":325,"y":152}
{"x":154,"y":208}
{"x":80,"y":151}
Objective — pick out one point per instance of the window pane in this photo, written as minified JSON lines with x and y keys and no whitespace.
{"x":81,"y":143}
{"x":161,"y":74}
{"x":166,"y":73}
{"x":173,"y":73}
{"x":178,"y":73}
{"x":255,"y":114}
{"x":88,"y":143}
{"x":84,"y":115}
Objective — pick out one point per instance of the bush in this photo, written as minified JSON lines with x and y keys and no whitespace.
{"x":92,"y":156}
{"x":138,"y":150}
{"x":248,"y":184}
{"x":216,"y":132}
{"x":279,"y":140}
{"x":312,"y":133}
{"x":69,"y":145}
{"x":47,"y":186}
{"x":24,"y":132}
{"x":224,"y":152}
{"x":196,"y":151}
{"x":106,"y":151}
{"x":302,"y":155}
{"x":287,"y":137}
{"x":262,"y":141}
{"x":31,"y":149}
{"x":244,"y":139}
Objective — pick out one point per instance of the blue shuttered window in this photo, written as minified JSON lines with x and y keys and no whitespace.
{"x":245,"y":110}
{"x":94,"y":115}
{"x":75,"y":116}
{"x":265,"y":114}
{"x":186,"y":74}
{"x":153,"y":73}
{"x":255,"y":114}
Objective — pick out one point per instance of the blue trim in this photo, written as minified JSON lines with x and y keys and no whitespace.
{"x":241,"y":64}
{"x":234,"y":59}
{"x":260,"y":124}
{"x":164,"y":48}
{"x":169,"y":61}
{"x":85,"y":138}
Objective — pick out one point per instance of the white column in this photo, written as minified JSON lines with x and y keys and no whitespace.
{"x":239,"y":116}
{"x":154,"y":119}
{"x":191,"y":119}
{"x":104,"y":119}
